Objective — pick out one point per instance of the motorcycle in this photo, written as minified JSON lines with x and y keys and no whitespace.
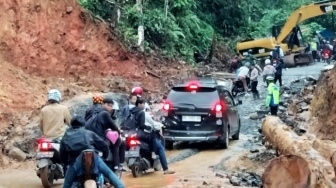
{"x":49,"y":165}
{"x":88,"y":179}
{"x":238,"y":87}
{"x":138,"y":156}
{"x":326,"y":54}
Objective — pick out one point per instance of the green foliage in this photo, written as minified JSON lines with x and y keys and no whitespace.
{"x":189,"y":25}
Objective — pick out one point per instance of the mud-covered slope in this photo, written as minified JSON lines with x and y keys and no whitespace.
{"x":54,"y":38}
{"x":323,"y":106}
{"x":54,"y":43}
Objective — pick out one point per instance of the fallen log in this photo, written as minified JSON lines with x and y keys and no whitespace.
{"x":287,"y":142}
{"x":327,"y":149}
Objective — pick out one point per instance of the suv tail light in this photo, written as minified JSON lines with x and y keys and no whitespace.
{"x":219,"y":108}
{"x":193,"y":85}
{"x":167,"y":106}
{"x":44,"y":145}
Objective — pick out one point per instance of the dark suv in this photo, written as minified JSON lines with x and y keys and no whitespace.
{"x":200,"y":111}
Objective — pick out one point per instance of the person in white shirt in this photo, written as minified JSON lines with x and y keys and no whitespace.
{"x":159,"y":150}
{"x":243,"y":75}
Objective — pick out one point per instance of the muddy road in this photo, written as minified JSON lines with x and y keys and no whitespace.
{"x":196,"y":165}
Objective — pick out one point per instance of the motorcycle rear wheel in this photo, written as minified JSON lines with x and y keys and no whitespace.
{"x":47,"y":176}
{"x":135,"y":168}
{"x":234,"y":91}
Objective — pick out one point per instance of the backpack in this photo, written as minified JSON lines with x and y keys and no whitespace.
{"x":130,"y":122}
{"x":90,"y":124}
{"x":275,"y":54}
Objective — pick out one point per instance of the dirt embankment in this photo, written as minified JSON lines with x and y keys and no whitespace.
{"x":323,"y":107}
{"x":46,"y":44}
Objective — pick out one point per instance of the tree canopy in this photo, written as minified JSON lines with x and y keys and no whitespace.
{"x":178,"y":28}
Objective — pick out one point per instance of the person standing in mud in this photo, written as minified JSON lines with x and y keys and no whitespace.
{"x":254,"y":81}
{"x":273,"y":96}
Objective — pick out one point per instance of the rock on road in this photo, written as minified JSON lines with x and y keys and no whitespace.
{"x":190,"y":170}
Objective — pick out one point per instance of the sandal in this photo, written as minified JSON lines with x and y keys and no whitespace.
{"x":168,"y":172}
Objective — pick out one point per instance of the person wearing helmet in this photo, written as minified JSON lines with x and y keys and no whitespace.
{"x":273,"y":96}
{"x":54,"y":116}
{"x":269,"y":70}
{"x":138,"y":91}
{"x":75,"y":140}
{"x":250,"y":57}
{"x":97,"y":101}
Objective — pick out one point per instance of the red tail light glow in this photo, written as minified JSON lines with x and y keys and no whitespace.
{"x":44,"y":145}
{"x":218,"y":108}
{"x":133,"y":141}
{"x":193,"y":87}
{"x":166,"y":107}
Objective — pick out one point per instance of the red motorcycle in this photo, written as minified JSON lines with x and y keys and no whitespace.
{"x":326,"y":55}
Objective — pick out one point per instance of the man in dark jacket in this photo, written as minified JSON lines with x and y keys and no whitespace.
{"x":99,"y":122}
{"x":97,"y":103}
{"x":278,"y":74}
{"x":126,"y":109}
{"x":143,"y":133}
{"x":77,"y":139}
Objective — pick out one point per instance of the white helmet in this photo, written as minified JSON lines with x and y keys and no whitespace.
{"x":54,"y":94}
{"x":267,"y":61}
{"x":269,"y":78}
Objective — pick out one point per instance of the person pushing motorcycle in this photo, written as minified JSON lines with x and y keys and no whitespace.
{"x":77,"y":139}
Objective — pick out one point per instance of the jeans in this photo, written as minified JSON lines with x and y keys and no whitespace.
{"x":160,"y":151}
{"x":278,"y":77}
{"x":254,"y":85}
{"x":115,"y":153}
{"x":71,"y":174}
{"x":148,"y":138}
{"x":122,"y":149}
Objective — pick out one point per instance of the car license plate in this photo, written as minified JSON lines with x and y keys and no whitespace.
{"x":46,"y":154}
{"x":191,"y":118}
{"x":131,"y":154}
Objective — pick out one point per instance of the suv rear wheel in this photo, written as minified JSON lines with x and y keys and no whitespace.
{"x":224,"y":144}
{"x":236,"y":136}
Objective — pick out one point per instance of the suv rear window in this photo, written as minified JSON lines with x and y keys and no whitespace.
{"x":203,"y":96}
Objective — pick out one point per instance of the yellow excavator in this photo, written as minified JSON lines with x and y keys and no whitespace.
{"x":290,"y":36}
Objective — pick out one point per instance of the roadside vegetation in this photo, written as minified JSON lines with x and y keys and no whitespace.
{"x":176,"y":29}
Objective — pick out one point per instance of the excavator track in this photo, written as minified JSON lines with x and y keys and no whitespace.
{"x":298,"y":59}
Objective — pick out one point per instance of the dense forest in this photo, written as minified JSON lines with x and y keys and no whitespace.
{"x":178,"y":28}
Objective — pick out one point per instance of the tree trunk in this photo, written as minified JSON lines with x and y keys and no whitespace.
{"x":287,"y":142}
{"x":327,"y":149}
{"x":141,"y":30}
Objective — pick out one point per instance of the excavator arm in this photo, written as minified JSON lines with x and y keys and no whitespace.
{"x":303,"y":13}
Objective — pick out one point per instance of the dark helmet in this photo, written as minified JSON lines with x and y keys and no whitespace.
{"x":77,"y":122}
